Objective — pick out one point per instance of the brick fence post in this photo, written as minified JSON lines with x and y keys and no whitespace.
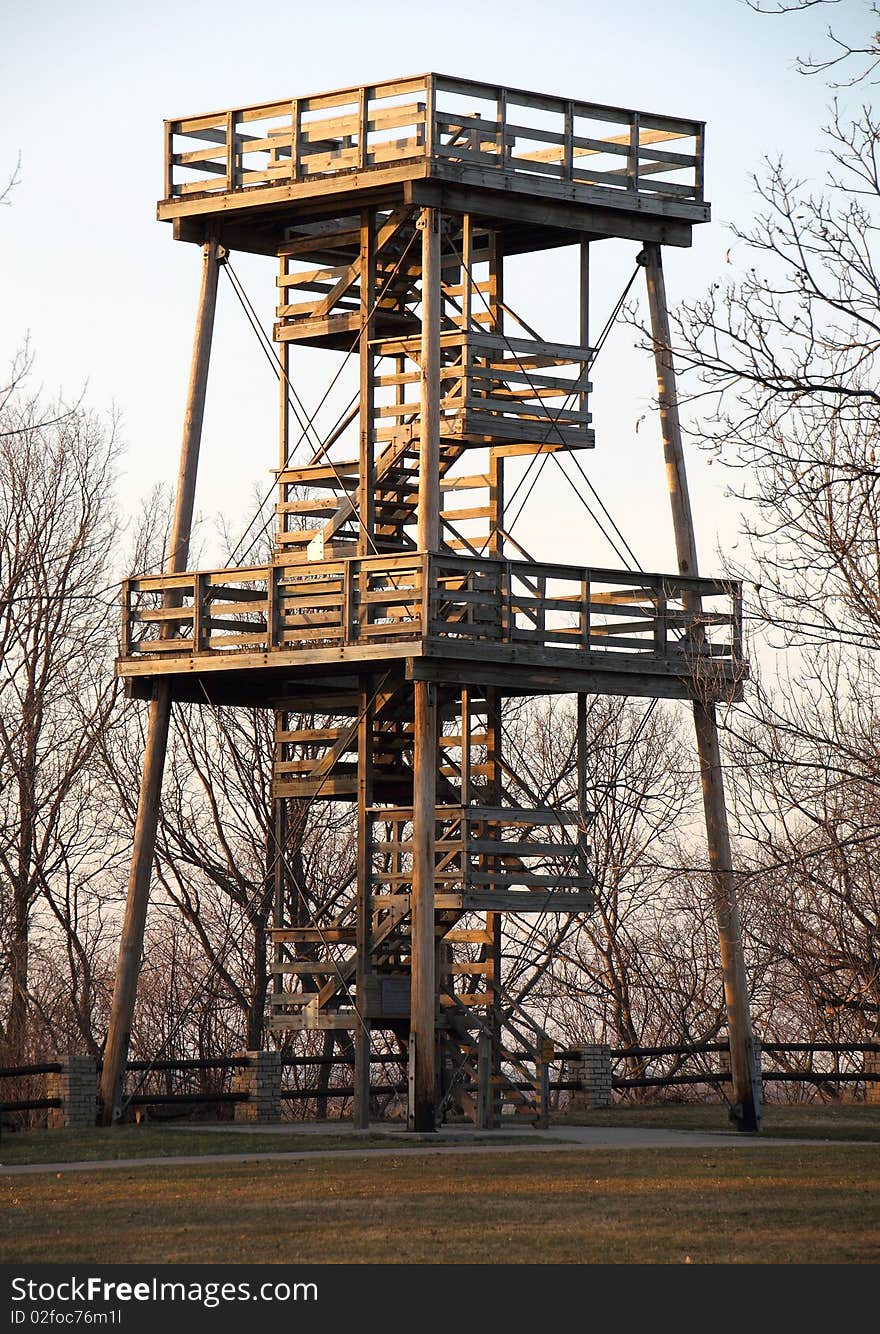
{"x":871,"y":1066}
{"x":77,"y":1087}
{"x":260,"y":1079}
{"x":591,"y":1068}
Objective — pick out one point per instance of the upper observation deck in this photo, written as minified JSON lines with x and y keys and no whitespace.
{"x":547,"y":167}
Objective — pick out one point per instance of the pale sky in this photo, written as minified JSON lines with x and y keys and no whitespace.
{"x":107,"y":298}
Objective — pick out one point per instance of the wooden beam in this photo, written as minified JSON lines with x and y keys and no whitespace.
{"x":428,"y":526}
{"x":743,"y":1064}
{"x":364,"y":906}
{"x":598,"y":219}
{"x":131,"y":942}
{"x":424,"y":985}
{"x":366,"y":494}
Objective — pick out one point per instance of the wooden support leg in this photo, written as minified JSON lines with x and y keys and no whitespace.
{"x":132,"y":940}
{"x":364,"y":910}
{"x":746,"y":1088}
{"x":279,"y":870}
{"x":485,"y":1118}
{"x":424,"y":989}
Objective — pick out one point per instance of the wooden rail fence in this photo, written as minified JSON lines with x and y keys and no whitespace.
{"x":561,"y":1057}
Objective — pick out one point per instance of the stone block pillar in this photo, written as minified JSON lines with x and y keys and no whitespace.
{"x":591,"y":1068}
{"x":260,"y":1079}
{"x":77,"y":1087}
{"x":871,"y":1066}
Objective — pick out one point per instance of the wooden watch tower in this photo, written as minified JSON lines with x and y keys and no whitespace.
{"x":397,"y":614}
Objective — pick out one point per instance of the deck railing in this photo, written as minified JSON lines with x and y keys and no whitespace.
{"x":493,"y":384}
{"x":450,"y":120}
{"x":359,"y":601}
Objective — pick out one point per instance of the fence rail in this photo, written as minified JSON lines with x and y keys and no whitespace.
{"x":501,"y":132}
{"x":560,"y":1058}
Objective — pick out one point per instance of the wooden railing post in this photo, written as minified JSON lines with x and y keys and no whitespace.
{"x":632,"y":161}
{"x":363,"y":126}
{"x":231,"y":172}
{"x":347,"y":617}
{"x":430,"y":116}
{"x":428,"y":593}
{"x":736,"y":629}
{"x":503,"y":145}
{"x":661,"y":625}
{"x":169,"y":159}
{"x":699,"y":166}
{"x":125,"y":637}
{"x":199,"y":613}
{"x":272,"y":636}
{"x":568,"y":143}
{"x":294,"y":139}
{"x":508,"y":616}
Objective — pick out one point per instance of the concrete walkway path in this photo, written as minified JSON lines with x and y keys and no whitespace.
{"x":451,"y":1141}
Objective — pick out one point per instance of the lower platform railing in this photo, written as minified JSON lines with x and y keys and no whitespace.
{"x":384,"y":599}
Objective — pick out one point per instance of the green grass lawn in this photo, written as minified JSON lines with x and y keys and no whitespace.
{"x":855,"y":1121}
{"x":146,"y":1141}
{"x":812,"y":1121}
{"x":780,"y":1204}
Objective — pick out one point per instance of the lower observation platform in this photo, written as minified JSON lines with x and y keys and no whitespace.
{"x":256,"y":635}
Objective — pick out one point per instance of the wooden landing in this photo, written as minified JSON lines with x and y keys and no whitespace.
{"x":593,"y":169}
{"x":256,"y":635}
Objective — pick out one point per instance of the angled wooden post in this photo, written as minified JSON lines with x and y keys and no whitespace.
{"x":131,"y":942}
{"x":746,"y":1090}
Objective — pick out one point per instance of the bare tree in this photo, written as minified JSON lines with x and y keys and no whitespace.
{"x":642,"y":968}
{"x":843,"y":57}
{"x":780,"y":373}
{"x":57,"y":631}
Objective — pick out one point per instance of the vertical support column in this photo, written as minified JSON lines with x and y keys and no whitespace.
{"x":367,"y":498}
{"x":584,"y":332}
{"x":363,"y":966}
{"x":496,"y":459}
{"x":132,"y":940}
{"x":424,"y":988}
{"x":283,"y":403}
{"x":279,"y":864}
{"x":467,"y":271}
{"x":582,"y":788}
{"x":494,"y":919}
{"x":746,"y":1088}
{"x":283,"y":352}
{"x":428,"y":531}
{"x":484,"y":1083}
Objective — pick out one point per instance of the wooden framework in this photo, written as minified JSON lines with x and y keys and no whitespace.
{"x":397,"y":613}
